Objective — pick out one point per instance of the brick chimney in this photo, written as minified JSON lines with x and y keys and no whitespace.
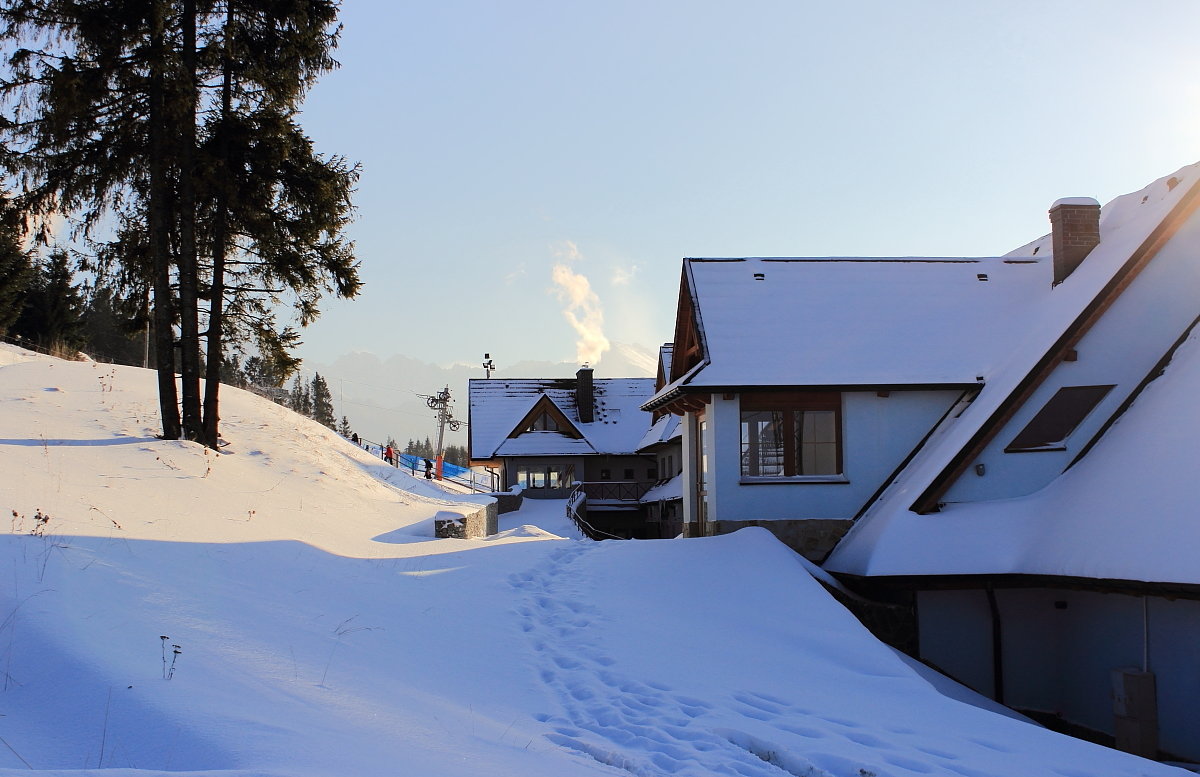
{"x":585,"y":395}
{"x":1075,"y":231}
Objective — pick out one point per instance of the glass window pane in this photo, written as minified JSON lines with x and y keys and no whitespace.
{"x":1055,"y":422}
{"x":762,"y":442}
{"x":816,"y":442}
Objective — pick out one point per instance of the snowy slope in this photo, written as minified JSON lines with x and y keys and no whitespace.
{"x":323,"y":630}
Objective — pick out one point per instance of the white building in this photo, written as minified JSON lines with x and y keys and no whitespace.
{"x":1009,"y":441}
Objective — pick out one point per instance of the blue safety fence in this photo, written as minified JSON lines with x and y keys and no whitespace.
{"x":476,"y":481}
{"x":417,"y":464}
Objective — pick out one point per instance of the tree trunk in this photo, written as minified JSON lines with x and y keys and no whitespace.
{"x":189,"y":324}
{"x":220,"y":239}
{"x":164,"y":341}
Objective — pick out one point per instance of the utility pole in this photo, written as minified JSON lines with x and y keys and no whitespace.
{"x":441,"y":403}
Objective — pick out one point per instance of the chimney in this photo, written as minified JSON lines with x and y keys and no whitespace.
{"x":1075,"y":231}
{"x":584,"y":395}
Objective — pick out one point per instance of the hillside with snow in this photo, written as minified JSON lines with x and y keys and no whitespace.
{"x":283,"y":608}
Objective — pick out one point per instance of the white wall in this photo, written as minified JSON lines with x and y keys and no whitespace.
{"x":877,"y":434}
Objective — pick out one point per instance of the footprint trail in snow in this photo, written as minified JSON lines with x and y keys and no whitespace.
{"x":641,"y":727}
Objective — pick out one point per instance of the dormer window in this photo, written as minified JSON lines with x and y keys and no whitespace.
{"x":1053,"y":424}
{"x":543,"y":422}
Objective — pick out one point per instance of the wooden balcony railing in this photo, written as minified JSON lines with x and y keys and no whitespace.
{"x":608,"y":490}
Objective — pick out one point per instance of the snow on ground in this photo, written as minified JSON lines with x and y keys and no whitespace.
{"x":323,"y":630}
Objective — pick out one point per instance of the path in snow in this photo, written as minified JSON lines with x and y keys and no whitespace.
{"x":641,"y":727}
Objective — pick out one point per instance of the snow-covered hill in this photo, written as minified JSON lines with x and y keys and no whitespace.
{"x":322,"y":630}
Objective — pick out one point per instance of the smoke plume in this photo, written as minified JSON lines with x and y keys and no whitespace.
{"x":582,"y":307}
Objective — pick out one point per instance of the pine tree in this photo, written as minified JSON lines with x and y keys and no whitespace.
{"x":272,"y":203}
{"x":52,"y":315}
{"x":322,"y":402}
{"x":16,"y":268}
{"x":175,"y":120}
{"x":301,"y":398}
{"x":112,"y":328}
{"x":344,"y":428}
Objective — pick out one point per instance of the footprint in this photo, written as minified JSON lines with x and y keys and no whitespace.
{"x":842,"y":722}
{"x":937,"y":753}
{"x":910,"y":764}
{"x":804,"y":731}
{"x":751,"y":700}
{"x":757,"y":714}
{"x":868,"y":740}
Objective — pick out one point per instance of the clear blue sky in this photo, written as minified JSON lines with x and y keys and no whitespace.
{"x":499,"y":139}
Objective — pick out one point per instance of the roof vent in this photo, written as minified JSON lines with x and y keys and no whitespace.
{"x":758,"y":276}
{"x":1075,"y":231}
{"x":981,"y":276}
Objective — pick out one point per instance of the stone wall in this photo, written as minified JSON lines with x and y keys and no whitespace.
{"x":508,"y":501}
{"x":474,"y":525}
{"x":812,"y":538}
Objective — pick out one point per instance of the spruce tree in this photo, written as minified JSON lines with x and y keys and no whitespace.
{"x":175,"y":119}
{"x":322,"y":402}
{"x":301,"y":398}
{"x":16,"y":267}
{"x":52,"y":315}
{"x":112,"y":328}
{"x":274,"y":209}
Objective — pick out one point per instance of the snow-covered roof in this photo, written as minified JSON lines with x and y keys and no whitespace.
{"x":892,"y":540}
{"x":497,"y":406}
{"x":671,"y":488}
{"x":849,"y":321}
{"x":664,"y":430}
{"x":901,"y":321}
{"x":1126,"y":511}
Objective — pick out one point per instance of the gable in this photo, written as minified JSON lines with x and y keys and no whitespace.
{"x":545,"y":416}
{"x":687,"y":351}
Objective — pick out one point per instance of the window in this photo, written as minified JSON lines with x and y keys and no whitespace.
{"x":652,"y":474}
{"x":789,"y":434}
{"x":605,"y":474}
{"x":535,"y":476}
{"x":629,"y":474}
{"x":1053,"y":424}
{"x":543,"y":423}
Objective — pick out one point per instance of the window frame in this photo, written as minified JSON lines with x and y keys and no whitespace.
{"x":543,"y":422}
{"x":551,"y":476}
{"x":788,"y":404}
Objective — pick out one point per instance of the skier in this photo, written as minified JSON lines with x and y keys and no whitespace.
{"x":428,"y":469}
